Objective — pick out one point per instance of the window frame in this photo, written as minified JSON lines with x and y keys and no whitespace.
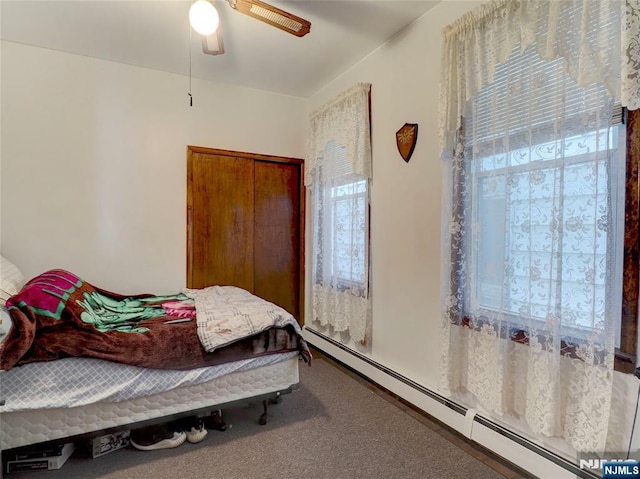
{"x":626,"y":354}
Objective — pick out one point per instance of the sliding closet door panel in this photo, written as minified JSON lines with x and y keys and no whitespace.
{"x":277,"y":234}
{"x":220,"y":221}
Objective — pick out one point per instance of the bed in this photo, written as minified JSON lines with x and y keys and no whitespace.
{"x":80,"y":361}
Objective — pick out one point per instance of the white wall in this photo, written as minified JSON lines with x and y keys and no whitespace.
{"x":93,"y":162}
{"x":405,"y":197}
{"x":405,"y":230}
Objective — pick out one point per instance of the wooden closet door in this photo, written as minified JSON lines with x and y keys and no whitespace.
{"x":220,"y":221}
{"x":277,"y":234}
{"x":245,"y":224}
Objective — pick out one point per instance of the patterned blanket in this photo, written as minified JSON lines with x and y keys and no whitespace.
{"x":57,"y":315}
{"x":227,"y":313}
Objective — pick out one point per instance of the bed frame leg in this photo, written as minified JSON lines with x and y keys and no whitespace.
{"x":265,"y":402}
{"x":263,"y":417}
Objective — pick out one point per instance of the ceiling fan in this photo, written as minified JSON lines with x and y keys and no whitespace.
{"x":204,"y":20}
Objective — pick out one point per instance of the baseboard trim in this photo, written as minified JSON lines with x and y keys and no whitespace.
{"x":433,"y":395}
{"x":497,"y":428}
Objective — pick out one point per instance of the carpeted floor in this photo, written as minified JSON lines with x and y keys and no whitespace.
{"x":332,"y":427}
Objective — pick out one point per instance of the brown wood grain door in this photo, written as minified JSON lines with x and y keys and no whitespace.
{"x":277,"y":234}
{"x":221,"y":211}
{"x":245,"y":224}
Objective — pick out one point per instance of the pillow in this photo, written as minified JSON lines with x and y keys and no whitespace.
{"x":5,"y":323}
{"x":11,"y":280}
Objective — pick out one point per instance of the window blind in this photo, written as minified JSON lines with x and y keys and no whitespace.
{"x":495,"y":111}
{"x":339,"y":167}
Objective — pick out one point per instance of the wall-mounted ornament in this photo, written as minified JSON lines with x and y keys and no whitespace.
{"x":406,"y":138}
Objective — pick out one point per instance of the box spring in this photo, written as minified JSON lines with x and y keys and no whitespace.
{"x":22,"y":428}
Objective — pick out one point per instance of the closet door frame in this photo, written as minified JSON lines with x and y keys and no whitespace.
{"x":191,"y":152}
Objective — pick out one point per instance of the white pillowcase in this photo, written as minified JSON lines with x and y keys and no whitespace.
{"x":5,"y":323}
{"x":11,"y":280}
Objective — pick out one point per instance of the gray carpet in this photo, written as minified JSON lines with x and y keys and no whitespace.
{"x":332,"y":427}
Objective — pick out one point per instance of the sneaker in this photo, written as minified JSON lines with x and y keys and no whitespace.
{"x":151,"y":442}
{"x":197,"y":432}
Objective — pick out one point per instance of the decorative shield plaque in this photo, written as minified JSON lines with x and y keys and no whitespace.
{"x":406,"y":138}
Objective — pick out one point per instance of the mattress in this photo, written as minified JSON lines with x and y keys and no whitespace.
{"x":71,"y":382}
{"x":21,"y":428}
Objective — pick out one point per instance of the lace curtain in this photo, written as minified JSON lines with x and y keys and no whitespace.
{"x":484,"y":38}
{"x":531,"y":239}
{"x":338,"y":172}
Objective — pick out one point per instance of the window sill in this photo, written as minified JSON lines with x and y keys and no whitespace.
{"x":625,"y":363}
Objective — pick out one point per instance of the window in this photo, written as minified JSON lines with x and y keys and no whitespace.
{"x":339,"y":175}
{"x":540,"y":223}
{"x":342,"y":229}
{"x":544,"y":215}
{"x":348,"y":225}
{"x":520,"y":242}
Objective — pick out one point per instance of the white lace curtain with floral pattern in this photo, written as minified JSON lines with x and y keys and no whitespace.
{"x":338,"y":172}
{"x":531,"y":242}
{"x":575,"y":31}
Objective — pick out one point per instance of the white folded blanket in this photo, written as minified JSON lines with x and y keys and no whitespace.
{"x":225,"y":314}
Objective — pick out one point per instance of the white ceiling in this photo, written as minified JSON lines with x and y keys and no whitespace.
{"x":155,"y":34}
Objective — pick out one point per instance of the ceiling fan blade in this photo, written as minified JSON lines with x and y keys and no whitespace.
{"x":273,"y":16}
{"x":213,"y":44}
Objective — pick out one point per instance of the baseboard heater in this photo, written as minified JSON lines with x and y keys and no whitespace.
{"x":522,"y":441}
